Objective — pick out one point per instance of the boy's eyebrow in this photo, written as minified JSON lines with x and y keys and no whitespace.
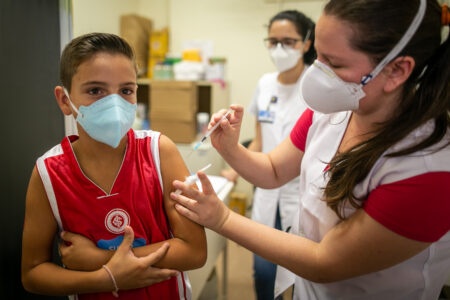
{"x":93,"y":83}
{"x":130,"y":83}
{"x":101,"y":83}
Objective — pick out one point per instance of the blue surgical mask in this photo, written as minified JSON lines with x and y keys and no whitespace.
{"x":107,"y":120}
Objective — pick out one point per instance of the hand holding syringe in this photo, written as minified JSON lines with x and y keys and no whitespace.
{"x":208,"y":133}
{"x":193,"y":178}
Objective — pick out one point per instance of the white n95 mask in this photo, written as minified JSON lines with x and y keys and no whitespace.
{"x":325,"y":92}
{"x":107,"y":120}
{"x":285,"y":59}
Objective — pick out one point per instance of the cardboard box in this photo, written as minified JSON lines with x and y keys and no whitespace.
{"x":174,"y":101}
{"x":136,"y":31}
{"x":178,"y":131}
{"x":173,"y":109}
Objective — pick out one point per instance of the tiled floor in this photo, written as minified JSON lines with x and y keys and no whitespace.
{"x":240,"y":281}
{"x":239,"y":284}
{"x":239,"y":275}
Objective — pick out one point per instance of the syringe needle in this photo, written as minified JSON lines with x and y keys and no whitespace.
{"x":208,"y":133}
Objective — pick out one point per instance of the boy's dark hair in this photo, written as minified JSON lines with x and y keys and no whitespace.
{"x":84,"y":47}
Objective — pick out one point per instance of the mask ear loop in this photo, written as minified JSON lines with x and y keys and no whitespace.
{"x":70,"y":101}
{"x":401,"y":43}
{"x":308,"y":33}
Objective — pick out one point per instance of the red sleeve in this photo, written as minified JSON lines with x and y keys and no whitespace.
{"x":417,"y":208}
{"x":300,"y":130}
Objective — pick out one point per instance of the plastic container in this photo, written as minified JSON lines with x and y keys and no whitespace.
{"x":216,"y":69}
{"x":202,"y":123}
{"x":189,"y":70}
{"x":163,"y":71}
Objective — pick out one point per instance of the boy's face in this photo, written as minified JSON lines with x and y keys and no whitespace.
{"x":102,"y":75}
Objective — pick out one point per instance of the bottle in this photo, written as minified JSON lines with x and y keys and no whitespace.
{"x":140,"y":117}
{"x":202,"y":123}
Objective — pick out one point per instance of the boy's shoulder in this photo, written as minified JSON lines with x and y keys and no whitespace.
{"x":141,"y":134}
{"x":59,"y":148}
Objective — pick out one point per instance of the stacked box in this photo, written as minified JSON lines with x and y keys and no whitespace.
{"x":173,"y":109}
{"x":136,"y":31}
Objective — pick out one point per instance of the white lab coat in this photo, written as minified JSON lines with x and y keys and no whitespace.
{"x":283,"y":115}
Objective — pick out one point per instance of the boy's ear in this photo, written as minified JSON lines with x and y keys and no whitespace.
{"x":62,"y":100}
{"x":398,"y":72}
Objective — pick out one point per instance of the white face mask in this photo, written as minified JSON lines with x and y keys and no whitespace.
{"x":326,"y":92}
{"x":285,"y":59}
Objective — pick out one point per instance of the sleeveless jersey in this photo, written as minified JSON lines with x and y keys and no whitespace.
{"x":136,"y":199}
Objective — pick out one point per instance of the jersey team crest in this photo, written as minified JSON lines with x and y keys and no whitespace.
{"x":116,"y":220}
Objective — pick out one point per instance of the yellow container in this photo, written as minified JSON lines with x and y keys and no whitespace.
{"x":238,"y":202}
{"x":159,"y":43}
{"x":192,"y":55}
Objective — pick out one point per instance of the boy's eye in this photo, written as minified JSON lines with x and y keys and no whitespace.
{"x":94,"y":91}
{"x":127,"y":91}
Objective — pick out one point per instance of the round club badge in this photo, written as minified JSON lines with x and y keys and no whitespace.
{"x":116,"y":220}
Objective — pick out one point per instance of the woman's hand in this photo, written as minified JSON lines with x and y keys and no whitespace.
{"x":226,"y":136}
{"x":131,"y":272}
{"x":204,"y":208}
{"x":80,"y":253}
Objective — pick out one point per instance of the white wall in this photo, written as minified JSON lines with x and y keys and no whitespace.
{"x":101,"y":15}
{"x":236,"y":28}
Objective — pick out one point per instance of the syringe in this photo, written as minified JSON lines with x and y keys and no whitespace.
{"x":208,"y":133}
{"x":193,"y":178}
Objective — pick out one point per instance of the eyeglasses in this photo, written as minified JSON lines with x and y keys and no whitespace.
{"x":286,"y":43}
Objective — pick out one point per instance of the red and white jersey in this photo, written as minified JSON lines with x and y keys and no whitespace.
{"x":136,"y":199}
{"x":409,"y":195}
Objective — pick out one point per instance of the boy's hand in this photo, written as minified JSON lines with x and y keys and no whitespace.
{"x":131,"y":272}
{"x":80,"y":253}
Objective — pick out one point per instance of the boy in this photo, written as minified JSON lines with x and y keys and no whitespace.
{"x":100,"y":183}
